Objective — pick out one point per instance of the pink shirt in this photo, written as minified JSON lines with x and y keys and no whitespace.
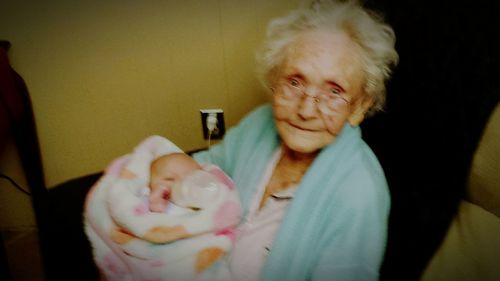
{"x":255,"y":234}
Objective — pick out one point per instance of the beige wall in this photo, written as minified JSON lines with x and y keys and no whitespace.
{"x":105,"y":74}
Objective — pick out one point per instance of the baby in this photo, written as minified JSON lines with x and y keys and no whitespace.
{"x":158,"y":214}
{"x":168,"y":171}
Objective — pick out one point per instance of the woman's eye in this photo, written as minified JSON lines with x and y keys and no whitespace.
{"x":294,"y":83}
{"x":335,"y":91}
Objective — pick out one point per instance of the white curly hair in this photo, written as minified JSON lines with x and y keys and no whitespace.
{"x":365,"y":27}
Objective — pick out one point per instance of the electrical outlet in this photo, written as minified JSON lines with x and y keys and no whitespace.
{"x":220,"y":127}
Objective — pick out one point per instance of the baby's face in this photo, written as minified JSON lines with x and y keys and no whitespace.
{"x":171,"y":169}
{"x":165,"y":172}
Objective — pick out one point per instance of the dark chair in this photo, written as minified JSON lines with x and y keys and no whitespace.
{"x":65,"y":248}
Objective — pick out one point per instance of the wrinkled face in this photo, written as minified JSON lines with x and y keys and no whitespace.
{"x":316,"y":90}
{"x":170,"y":169}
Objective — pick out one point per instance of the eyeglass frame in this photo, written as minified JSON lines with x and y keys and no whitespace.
{"x":300,"y":89}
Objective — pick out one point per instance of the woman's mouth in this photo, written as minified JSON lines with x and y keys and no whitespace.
{"x":302,"y":128}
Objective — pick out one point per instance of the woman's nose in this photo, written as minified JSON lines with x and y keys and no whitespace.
{"x":308,"y":105}
{"x":307,"y":108}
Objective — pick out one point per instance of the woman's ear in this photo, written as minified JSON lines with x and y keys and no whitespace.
{"x":360,"y":107}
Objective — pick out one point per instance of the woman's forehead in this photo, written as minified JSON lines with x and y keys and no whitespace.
{"x":323,"y":46}
{"x":323,"y":55}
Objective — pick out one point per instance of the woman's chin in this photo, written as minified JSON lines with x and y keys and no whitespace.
{"x":306,"y":145}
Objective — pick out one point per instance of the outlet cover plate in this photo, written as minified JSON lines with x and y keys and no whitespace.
{"x":220,"y":128}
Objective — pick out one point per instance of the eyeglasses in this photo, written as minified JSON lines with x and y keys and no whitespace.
{"x":293,"y":89}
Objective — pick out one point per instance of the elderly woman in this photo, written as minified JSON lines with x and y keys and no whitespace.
{"x":315,"y":198}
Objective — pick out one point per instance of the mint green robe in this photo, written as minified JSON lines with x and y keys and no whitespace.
{"x":336,"y":224}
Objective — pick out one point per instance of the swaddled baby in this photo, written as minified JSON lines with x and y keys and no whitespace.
{"x":177,"y":224}
{"x":169,"y":171}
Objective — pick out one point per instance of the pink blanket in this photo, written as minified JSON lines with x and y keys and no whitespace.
{"x":131,"y":243}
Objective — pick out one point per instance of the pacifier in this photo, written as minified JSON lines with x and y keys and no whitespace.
{"x":198,"y":190}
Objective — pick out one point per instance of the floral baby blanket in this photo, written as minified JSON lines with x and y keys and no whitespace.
{"x":132,"y":243}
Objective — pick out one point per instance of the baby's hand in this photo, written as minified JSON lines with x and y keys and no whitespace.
{"x":158,"y":199}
